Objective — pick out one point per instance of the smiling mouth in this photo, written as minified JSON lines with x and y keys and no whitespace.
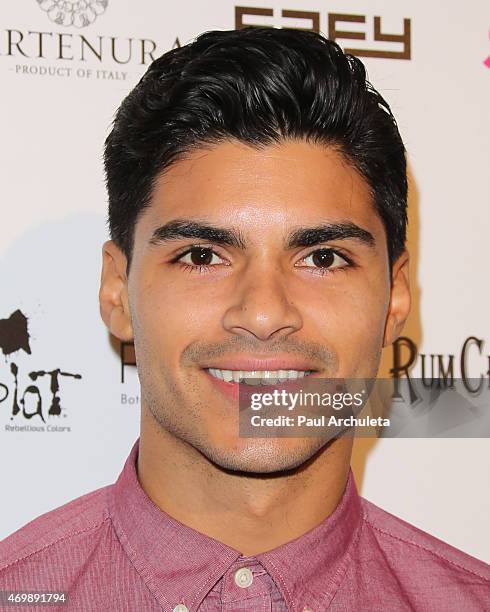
{"x":258,"y":377}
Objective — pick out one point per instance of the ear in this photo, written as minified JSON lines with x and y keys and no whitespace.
{"x":113,"y":293}
{"x":399,"y":307}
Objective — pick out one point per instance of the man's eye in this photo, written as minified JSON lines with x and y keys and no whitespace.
{"x":324,"y":259}
{"x":199,"y":256}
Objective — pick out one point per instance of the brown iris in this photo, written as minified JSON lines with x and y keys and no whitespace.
{"x":323,"y":258}
{"x":201,"y":256}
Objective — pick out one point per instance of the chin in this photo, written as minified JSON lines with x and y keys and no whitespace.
{"x":264,"y":455}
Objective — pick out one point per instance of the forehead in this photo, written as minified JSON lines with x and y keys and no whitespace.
{"x":277,"y":186}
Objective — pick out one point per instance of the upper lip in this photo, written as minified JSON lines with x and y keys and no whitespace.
{"x":249,"y":364}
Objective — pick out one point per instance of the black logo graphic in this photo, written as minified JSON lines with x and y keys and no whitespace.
{"x":14,"y":336}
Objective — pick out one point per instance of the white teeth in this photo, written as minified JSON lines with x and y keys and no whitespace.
{"x":227,"y":375}
{"x":258,"y":377}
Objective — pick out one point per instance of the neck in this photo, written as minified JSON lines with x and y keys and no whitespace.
{"x":251,"y":514}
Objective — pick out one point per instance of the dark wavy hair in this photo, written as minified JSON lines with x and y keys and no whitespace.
{"x":259,"y":86}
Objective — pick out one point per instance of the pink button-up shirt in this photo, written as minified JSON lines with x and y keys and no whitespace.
{"x":114,"y":550}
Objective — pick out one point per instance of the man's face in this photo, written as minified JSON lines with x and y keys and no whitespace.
{"x":261,"y":295}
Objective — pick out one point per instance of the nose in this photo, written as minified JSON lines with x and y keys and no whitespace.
{"x":260,"y":306}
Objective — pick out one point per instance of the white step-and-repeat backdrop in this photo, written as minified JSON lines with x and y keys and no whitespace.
{"x":69,"y":399}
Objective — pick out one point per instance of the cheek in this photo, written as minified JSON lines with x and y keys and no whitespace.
{"x":170,"y":315}
{"x":349,"y":320}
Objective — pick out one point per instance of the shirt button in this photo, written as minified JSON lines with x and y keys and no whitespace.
{"x":180,"y":608}
{"x":243,"y":577}
{"x":306,"y":609}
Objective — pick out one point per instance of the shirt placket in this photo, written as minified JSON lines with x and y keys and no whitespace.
{"x":246,"y":587}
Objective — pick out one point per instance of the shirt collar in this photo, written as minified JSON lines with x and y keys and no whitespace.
{"x":309,"y":569}
{"x":179,"y":563}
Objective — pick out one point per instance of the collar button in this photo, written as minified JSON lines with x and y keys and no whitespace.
{"x":243,"y":577}
{"x":180,"y":608}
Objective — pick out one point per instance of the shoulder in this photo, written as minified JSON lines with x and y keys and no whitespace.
{"x":408,"y":546}
{"x":76,"y":521}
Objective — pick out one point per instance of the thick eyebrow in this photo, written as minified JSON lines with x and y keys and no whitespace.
{"x":301,"y":237}
{"x":186,"y":228}
{"x":310,"y":236}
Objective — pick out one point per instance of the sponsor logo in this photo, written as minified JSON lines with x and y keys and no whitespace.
{"x":77,"y":14}
{"x":77,"y":54}
{"x":438,"y":371}
{"x":340,"y":27}
{"x":29,"y":403}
